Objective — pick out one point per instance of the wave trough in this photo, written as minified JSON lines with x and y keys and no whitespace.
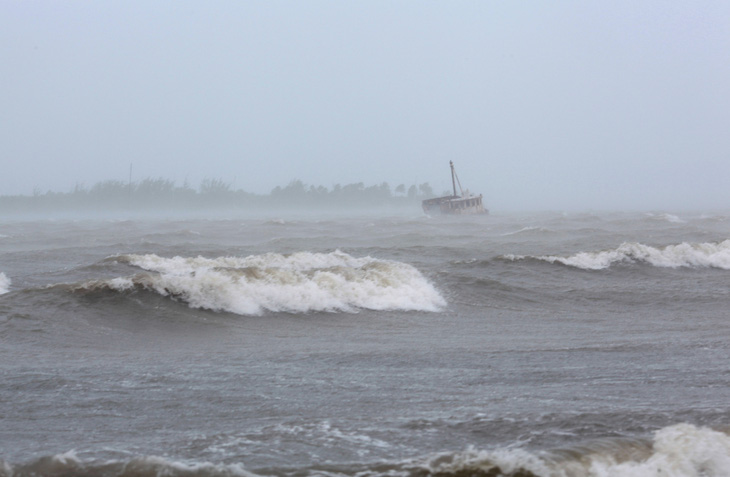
{"x":297,"y":283}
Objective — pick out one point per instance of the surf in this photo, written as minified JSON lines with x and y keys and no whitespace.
{"x":680,"y":450}
{"x":4,"y":284}
{"x":301,"y":282}
{"x":683,"y":255}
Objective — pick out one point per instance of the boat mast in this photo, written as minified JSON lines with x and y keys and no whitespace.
{"x":455,"y":179}
{"x":453,"y":176}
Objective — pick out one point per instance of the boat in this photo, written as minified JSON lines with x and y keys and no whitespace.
{"x":464,"y":203}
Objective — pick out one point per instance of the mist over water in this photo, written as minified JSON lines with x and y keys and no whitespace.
{"x":584,"y":344}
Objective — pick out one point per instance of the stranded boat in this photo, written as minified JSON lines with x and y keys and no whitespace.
{"x":464,"y":204}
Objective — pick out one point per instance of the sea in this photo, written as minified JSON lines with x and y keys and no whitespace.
{"x":394,"y":344}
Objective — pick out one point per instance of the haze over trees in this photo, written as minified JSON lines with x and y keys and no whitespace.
{"x":161,"y":194}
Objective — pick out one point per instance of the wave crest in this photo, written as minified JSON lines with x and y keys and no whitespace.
{"x":681,"y":450}
{"x":69,"y":464}
{"x":4,"y":284}
{"x":701,"y":255}
{"x":298,"y":283}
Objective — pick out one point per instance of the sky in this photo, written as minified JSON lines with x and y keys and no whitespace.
{"x":558,"y":105}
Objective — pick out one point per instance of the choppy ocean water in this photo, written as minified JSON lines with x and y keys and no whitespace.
{"x":534,"y":344}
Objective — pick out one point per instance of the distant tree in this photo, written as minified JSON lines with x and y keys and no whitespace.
{"x":353,"y":189}
{"x":185,"y":194}
{"x":295,"y":188}
{"x":412,"y":192}
{"x":385,"y":190}
{"x":214,"y":187}
{"x":109,"y":190}
{"x":426,"y":190}
{"x":401,"y":189}
{"x":155,"y":187}
{"x":79,"y":188}
{"x":318,"y":193}
{"x":293,"y":192}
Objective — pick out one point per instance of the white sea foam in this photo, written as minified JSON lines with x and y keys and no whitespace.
{"x":527,"y":230}
{"x":475,"y":462}
{"x":298,"y":283}
{"x":70,"y":464}
{"x":160,"y":466}
{"x":673,"y":219}
{"x":667,"y":217}
{"x":4,"y":284}
{"x":67,"y":457}
{"x":701,"y":255}
{"x":682,"y":450}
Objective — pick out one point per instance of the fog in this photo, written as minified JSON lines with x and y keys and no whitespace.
{"x":541,"y":105}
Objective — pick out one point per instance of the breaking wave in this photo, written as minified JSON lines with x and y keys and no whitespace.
{"x":528,"y":230}
{"x":682,"y":450}
{"x":69,"y":464}
{"x":298,"y":283}
{"x":4,"y":284}
{"x":701,"y":255}
{"x":671,"y":218}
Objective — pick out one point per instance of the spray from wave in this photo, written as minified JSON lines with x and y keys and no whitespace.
{"x":667,"y":217}
{"x":700,"y":255}
{"x":682,"y":450}
{"x":528,"y":230}
{"x":298,"y":283}
{"x":4,"y":284}
{"x":69,"y":464}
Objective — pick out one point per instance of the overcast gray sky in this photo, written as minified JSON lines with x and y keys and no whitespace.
{"x":541,"y":105}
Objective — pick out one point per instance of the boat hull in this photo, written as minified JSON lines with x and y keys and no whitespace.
{"x":454,"y":205}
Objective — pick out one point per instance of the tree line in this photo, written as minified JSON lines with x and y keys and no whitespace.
{"x":165,"y":193}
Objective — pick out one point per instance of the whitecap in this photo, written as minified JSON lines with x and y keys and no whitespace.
{"x":700,"y":255}
{"x":527,"y":230}
{"x":297,"y":283}
{"x":70,"y":464}
{"x":671,"y":218}
{"x":679,"y":450}
{"x":4,"y":284}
